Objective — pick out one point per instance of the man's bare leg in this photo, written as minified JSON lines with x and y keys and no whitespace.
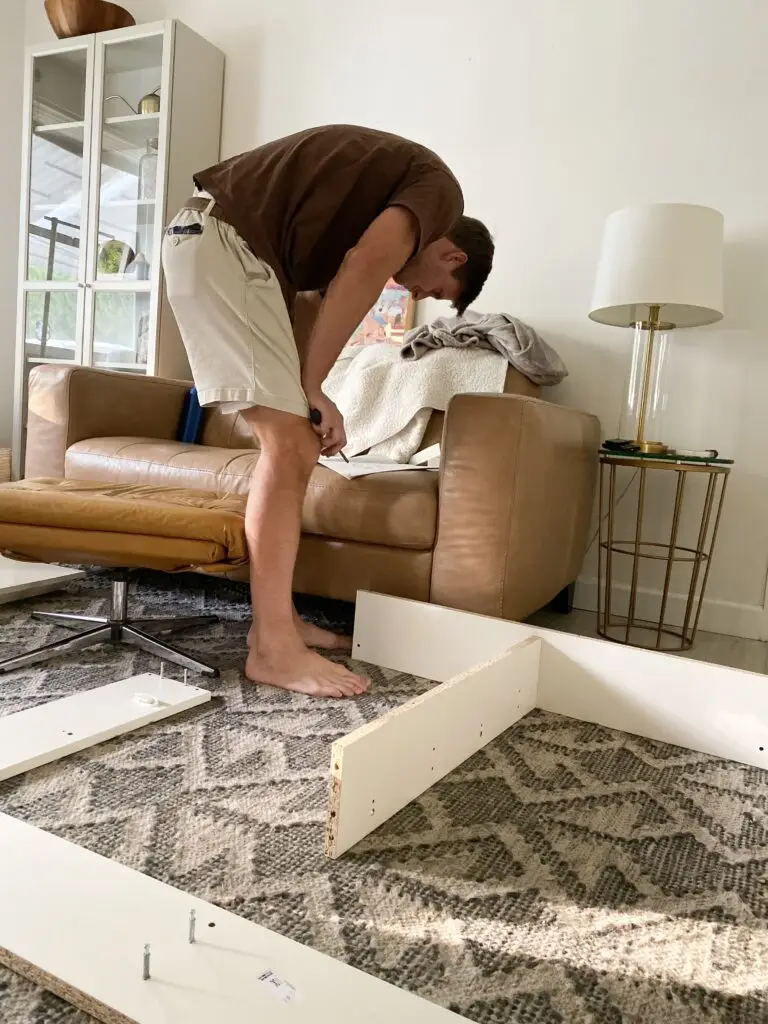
{"x":289,"y":450}
{"x":313,"y":636}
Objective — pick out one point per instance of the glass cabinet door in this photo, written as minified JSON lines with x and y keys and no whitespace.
{"x":58,"y":165}
{"x":127,"y":201}
{"x":131,"y":115}
{"x":122,"y":325}
{"x":53,"y":324}
{"x":57,"y":200}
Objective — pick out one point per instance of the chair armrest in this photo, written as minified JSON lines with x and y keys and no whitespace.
{"x":516,"y":494}
{"x":74,"y":403}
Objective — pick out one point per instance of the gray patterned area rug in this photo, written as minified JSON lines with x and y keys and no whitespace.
{"x":565,"y":873}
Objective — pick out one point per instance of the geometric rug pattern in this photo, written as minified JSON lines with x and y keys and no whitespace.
{"x":565,"y":873}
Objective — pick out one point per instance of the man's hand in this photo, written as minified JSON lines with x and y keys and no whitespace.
{"x":330,"y":428}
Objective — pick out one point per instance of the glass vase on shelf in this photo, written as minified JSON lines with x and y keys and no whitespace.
{"x":148,"y":171}
{"x":642,"y":417}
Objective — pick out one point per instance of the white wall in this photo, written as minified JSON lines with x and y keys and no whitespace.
{"x":11,"y":85}
{"x":553,"y":114}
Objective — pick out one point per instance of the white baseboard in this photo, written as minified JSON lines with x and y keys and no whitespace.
{"x":743,"y":620}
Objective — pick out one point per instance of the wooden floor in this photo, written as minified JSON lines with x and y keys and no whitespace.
{"x":751,"y":655}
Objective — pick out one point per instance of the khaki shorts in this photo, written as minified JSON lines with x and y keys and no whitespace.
{"x":233,"y":319}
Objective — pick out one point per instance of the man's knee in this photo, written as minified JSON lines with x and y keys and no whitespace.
{"x":300,"y":446}
{"x":285,"y":438}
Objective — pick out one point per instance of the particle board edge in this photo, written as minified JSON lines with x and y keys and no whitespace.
{"x":72,"y":996}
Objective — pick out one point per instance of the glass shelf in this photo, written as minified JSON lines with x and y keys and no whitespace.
{"x":63,"y":127}
{"x":130,"y":132}
{"x":117,"y":204}
{"x":669,"y":456}
{"x":129,"y":119}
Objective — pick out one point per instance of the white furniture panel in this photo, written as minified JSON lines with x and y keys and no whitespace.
{"x":78,"y":924}
{"x":39,"y":735}
{"x":708,"y":708}
{"x":381,"y":767}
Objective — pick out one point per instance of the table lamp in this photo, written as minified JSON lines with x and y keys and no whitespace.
{"x":661,"y":268}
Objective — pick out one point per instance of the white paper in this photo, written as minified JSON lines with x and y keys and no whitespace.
{"x":364,"y":465}
{"x":429,"y":457}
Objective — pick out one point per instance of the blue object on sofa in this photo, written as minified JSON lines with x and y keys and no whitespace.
{"x":191,"y":423}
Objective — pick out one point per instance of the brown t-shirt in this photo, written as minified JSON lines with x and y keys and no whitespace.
{"x":301,"y":203}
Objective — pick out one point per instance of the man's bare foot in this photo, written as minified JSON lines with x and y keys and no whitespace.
{"x":304,"y":672}
{"x":314,"y":636}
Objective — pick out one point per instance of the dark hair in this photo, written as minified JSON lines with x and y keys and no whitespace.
{"x":473,"y":238}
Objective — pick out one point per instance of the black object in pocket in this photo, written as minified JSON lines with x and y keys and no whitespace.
{"x":189,"y":229}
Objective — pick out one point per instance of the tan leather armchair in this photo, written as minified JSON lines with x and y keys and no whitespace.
{"x":501,"y":530}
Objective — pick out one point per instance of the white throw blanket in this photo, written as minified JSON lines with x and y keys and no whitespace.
{"x":387,"y":402}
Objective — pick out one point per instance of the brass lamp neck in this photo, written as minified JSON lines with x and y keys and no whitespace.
{"x":651,"y":325}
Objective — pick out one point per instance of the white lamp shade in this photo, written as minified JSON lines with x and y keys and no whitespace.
{"x":665,"y":254}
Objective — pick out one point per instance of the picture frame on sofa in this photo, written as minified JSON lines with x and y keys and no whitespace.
{"x":387,"y":322}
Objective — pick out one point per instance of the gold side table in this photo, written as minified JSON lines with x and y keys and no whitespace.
{"x":652,"y":631}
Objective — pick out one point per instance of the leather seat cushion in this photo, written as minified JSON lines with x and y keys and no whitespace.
{"x":123,"y":524}
{"x":393,"y":509}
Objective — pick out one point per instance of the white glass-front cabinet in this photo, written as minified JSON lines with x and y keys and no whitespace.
{"x":116,"y":124}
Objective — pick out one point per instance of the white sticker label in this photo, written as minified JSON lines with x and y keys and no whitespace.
{"x":282,"y":990}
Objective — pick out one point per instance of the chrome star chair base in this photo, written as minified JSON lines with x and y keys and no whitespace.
{"x":117,"y":628}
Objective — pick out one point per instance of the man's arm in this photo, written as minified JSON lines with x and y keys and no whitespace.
{"x":306,"y":309}
{"x":382,"y":251}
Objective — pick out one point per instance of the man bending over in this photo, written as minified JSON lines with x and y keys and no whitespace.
{"x":270,"y":269}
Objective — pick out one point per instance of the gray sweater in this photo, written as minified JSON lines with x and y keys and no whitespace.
{"x":517,"y":342}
